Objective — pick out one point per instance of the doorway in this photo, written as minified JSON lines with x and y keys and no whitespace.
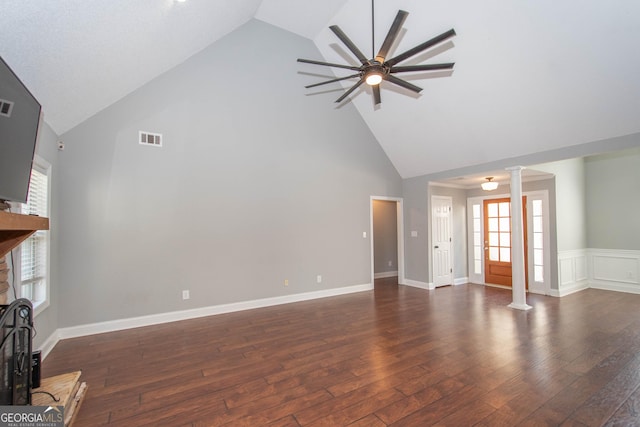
{"x":441,"y":239}
{"x":497,"y":241}
{"x":537,"y":240}
{"x":387,"y":241}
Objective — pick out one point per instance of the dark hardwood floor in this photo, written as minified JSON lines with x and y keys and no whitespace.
{"x":396,"y":356}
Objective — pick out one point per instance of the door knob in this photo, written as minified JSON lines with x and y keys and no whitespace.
{"x":436,"y":247}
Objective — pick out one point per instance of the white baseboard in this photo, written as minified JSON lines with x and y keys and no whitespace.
{"x":154,"y":319}
{"x":617,"y":287}
{"x":461,"y":281}
{"x":614,"y":270}
{"x":385,"y":274}
{"x":568,"y":290}
{"x":48,"y":344}
{"x":417,"y":284}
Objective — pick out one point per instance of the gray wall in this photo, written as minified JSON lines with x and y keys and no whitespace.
{"x":613,"y":200}
{"x":385,"y":236}
{"x":415,"y":195}
{"x":259,"y":181}
{"x":46,"y":322}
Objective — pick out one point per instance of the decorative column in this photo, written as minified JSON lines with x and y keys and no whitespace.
{"x":518,"y":284}
{"x":4,"y":269}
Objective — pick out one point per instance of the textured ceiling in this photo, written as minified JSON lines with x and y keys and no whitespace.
{"x":529,"y":76}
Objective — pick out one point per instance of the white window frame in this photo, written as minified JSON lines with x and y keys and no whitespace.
{"x":43,"y":167}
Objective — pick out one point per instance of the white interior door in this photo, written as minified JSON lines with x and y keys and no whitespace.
{"x":441,"y":217}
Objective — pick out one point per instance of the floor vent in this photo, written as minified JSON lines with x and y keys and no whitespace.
{"x":148,"y":138}
{"x":5,"y":108}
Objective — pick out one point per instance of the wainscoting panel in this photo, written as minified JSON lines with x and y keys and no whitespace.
{"x":572,"y":272}
{"x":615,"y":270}
{"x":608,"y":269}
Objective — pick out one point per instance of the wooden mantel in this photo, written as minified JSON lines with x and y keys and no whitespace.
{"x":16,"y":228}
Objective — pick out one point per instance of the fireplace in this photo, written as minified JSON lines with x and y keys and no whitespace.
{"x":16,"y":321}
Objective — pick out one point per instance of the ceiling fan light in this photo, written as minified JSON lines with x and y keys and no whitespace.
{"x":489,"y":184}
{"x":373,"y":79}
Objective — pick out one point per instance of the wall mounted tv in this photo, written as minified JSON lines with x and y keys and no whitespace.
{"x":19,"y":120}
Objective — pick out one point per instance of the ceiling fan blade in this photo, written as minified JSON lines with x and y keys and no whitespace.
{"x":426,"y":67}
{"x":391,"y":35}
{"x":421,"y":47}
{"x":351,"y":89}
{"x":347,"y":41}
{"x":405,"y":84}
{"x":333,"y":80}
{"x":328,"y":64}
{"x":376,"y":94}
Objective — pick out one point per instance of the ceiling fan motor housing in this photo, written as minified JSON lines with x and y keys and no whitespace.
{"x":374,"y":68}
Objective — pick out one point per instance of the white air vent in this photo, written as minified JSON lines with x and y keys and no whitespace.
{"x":148,"y":138}
{"x":5,"y":108}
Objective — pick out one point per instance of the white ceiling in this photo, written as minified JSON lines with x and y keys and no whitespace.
{"x":529,"y":76}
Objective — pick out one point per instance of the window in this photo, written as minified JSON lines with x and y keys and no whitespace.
{"x":478,"y":252}
{"x":34,"y":252}
{"x":538,"y":241}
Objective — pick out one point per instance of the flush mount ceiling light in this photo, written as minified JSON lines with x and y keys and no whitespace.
{"x":489,"y":184}
{"x":374,"y":71}
{"x":374,"y":75}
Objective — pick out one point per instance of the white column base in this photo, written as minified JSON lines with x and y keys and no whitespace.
{"x":520,"y":306}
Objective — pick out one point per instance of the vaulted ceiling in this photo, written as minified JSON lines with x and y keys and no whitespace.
{"x":529,"y":76}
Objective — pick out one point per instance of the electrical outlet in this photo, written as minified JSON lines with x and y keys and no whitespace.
{"x":319,"y":278}
{"x":286,"y":282}
{"x":390,"y":263}
{"x":185,"y":294}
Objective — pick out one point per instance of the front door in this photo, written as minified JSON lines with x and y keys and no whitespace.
{"x":497,"y":240}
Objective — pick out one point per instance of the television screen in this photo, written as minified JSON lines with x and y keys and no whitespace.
{"x":19,"y":120}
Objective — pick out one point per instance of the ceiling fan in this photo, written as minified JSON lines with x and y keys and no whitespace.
{"x":374,"y":71}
